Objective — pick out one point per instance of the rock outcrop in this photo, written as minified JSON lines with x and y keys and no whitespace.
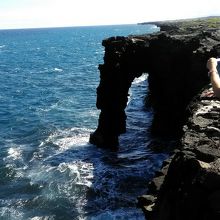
{"x":188,"y":185}
{"x":176,"y":64}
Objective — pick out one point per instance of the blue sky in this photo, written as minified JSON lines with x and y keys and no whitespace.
{"x":58,"y":13}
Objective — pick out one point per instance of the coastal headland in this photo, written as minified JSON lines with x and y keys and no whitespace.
{"x":188,"y":185}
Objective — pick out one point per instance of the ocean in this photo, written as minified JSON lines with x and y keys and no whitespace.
{"x":48,"y":169}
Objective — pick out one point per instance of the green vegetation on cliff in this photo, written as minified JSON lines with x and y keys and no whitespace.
{"x":208,"y":22}
{"x":183,"y":25}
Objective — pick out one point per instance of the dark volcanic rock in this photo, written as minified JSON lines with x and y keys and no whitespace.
{"x":191,"y":186}
{"x":176,"y":64}
{"x":188,"y":185}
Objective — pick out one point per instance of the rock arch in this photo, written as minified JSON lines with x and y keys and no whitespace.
{"x":123,"y":61}
{"x":176,"y":64}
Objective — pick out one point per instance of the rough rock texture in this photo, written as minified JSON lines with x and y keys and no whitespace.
{"x":188,"y":186}
{"x":176,"y":63}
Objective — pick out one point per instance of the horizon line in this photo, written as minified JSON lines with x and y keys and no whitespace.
{"x":68,"y":26}
{"x":114,"y":24}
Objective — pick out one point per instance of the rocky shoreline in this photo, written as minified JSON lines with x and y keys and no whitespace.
{"x":188,"y":184}
{"x":187,"y":187}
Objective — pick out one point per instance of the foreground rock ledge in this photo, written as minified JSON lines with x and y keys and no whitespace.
{"x":188,"y":186}
{"x":175,"y":59}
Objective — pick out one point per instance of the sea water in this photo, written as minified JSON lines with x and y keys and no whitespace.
{"x":48,"y":170}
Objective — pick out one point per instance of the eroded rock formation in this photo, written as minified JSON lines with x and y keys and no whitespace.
{"x":176,"y":64}
{"x":188,"y":184}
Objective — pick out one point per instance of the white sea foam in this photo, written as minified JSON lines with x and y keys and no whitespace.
{"x":14,"y":153}
{"x":70,"y":180}
{"x":57,"y":70}
{"x":42,"y":218}
{"x":66,"y":139}
{"x":10,"y":213}
{"x":129,"y":97}
{"x":2,"y":46}
{"x":140,"y":79}
{"x":81,"y":172}
{"x":136,"y":81}
{"x":67,"y":142}
{"x":70,"y":175}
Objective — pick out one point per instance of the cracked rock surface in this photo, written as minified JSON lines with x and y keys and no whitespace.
{"x":190,"y":186}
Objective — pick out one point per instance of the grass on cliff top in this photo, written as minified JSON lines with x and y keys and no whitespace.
{"x":193,"y":23}
{"x":209,"y":22}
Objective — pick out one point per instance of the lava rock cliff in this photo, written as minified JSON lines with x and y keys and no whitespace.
{"x":175,"y":60}
{"x":188,"y":184}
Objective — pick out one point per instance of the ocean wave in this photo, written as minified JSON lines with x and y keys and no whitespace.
{"x":130,"y":213}
{"x":49,"y":70}
{"x":42,"y":218}
{"x":14,"y":161}
{"x":65,"y":139}
{"x":81,"y":170}
{"x":65,"y":176}
{"x":64,"y":171}
{"x":140,"y":79}
{"x":49,"y":170}
{"x":11,"y":213}
{"x":14,"y":153}
{"x":57,"y":70}
{"x":136,"y":81}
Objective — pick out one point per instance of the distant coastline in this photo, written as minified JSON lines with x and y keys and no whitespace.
{"x":199,"y":19}
{"x":185,"y":24}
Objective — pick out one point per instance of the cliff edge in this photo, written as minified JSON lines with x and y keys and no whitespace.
{"x":175,"y":59}
{"x":188,"y":184}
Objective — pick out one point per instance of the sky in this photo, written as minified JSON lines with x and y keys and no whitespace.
{"x":62,"y":13}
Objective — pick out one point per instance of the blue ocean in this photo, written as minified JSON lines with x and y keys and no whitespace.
{"x":48,"y":169}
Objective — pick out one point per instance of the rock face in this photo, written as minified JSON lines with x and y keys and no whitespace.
{"x":176,"y":64}
{"x":188,"y":186}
